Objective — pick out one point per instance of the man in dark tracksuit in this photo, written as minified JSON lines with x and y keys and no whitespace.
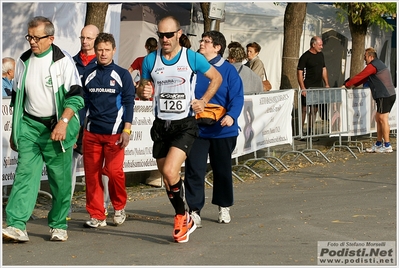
{"x":109,"y":99}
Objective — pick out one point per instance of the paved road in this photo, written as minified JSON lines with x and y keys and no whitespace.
{"x":276,"y":220}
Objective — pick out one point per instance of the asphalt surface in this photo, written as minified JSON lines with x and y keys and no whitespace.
{"x":276,"y":220}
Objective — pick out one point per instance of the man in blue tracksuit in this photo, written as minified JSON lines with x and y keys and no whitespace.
{"x":109,"y":99}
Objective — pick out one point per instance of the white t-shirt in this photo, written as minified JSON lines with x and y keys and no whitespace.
{"x":40,"y":99}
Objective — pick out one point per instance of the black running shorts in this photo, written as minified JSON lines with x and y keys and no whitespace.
{"x":384,"y":105}
{"x":178,"y":133}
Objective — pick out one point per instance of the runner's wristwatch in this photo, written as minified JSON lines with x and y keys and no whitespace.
{"x":65,"y":120}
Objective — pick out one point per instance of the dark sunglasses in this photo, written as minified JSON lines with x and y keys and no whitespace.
{"x":167,"y":35}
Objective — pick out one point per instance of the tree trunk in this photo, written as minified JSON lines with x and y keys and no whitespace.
{"x":294,"y":17}
{"x":293,"y":26}
{"x":358,"y":33}
{"x":205,"y":12}
{"x":95,"y":14}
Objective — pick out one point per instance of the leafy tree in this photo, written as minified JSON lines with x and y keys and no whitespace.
{"x":360,"y":17}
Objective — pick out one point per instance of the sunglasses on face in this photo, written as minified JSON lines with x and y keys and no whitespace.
{"x":167,"y":35}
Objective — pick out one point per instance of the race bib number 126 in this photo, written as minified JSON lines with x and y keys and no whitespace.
{"x":172,"y":102}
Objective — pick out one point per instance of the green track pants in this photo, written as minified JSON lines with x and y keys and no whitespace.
{"x":35,"y":148}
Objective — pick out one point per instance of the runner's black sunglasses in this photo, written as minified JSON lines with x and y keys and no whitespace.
{"x":167,"y":35}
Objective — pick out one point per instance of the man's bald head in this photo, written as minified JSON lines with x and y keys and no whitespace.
{"x":88,"y":34}
{"x":90,"y":29}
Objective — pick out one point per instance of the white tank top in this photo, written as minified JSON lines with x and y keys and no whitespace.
{"x":173,"y":88}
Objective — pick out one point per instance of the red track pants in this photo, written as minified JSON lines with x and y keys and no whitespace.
{"x":102,"y":156}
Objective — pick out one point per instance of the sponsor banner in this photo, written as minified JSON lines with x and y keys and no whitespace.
{"x":335,"y":116}
{"x":360,"y":113}
{"x":356,"y":253}
{"x":393,"y":116}
{"x":267,"y":123}
{"x":138,"y":154}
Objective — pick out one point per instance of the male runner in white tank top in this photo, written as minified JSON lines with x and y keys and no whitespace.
{"x":170,"y":70}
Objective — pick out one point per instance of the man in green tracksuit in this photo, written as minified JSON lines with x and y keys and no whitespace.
{"x":46,"y":96}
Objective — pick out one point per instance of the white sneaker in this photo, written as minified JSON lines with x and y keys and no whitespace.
{"x":196,"y":218}
{"x":224,"y":215}
{"x":15,"y":234}
{"x":373,"y":148}
{"x":119,"y":217}
{"x":94,"y":223}
{"x":58,"y":234}
{"x":384,"y":149}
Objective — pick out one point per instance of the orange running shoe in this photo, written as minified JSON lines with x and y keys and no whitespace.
{"x":184,"y":226}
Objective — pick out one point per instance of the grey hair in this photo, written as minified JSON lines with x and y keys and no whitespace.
{"x":36,"y":21}
{"x":7,"y":64}
{"x":314,"y":40}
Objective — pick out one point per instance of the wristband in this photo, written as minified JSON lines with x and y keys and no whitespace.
{"x":203,"y":101}
{"x":128,"y":131}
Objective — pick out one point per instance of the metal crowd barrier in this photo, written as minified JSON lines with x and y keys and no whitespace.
{"x":323,"y":117}
{"x":296,"y":130}
{"x":331,"y":110}
{"x":326,"y":114}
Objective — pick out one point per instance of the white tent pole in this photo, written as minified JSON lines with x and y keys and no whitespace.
{"x":191,"y":18}
{"x":213,"y":25}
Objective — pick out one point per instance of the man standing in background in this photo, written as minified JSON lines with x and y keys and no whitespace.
{"x":311,"y":72}
{"x":85,"y":59}
{"x":8,"y":69}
